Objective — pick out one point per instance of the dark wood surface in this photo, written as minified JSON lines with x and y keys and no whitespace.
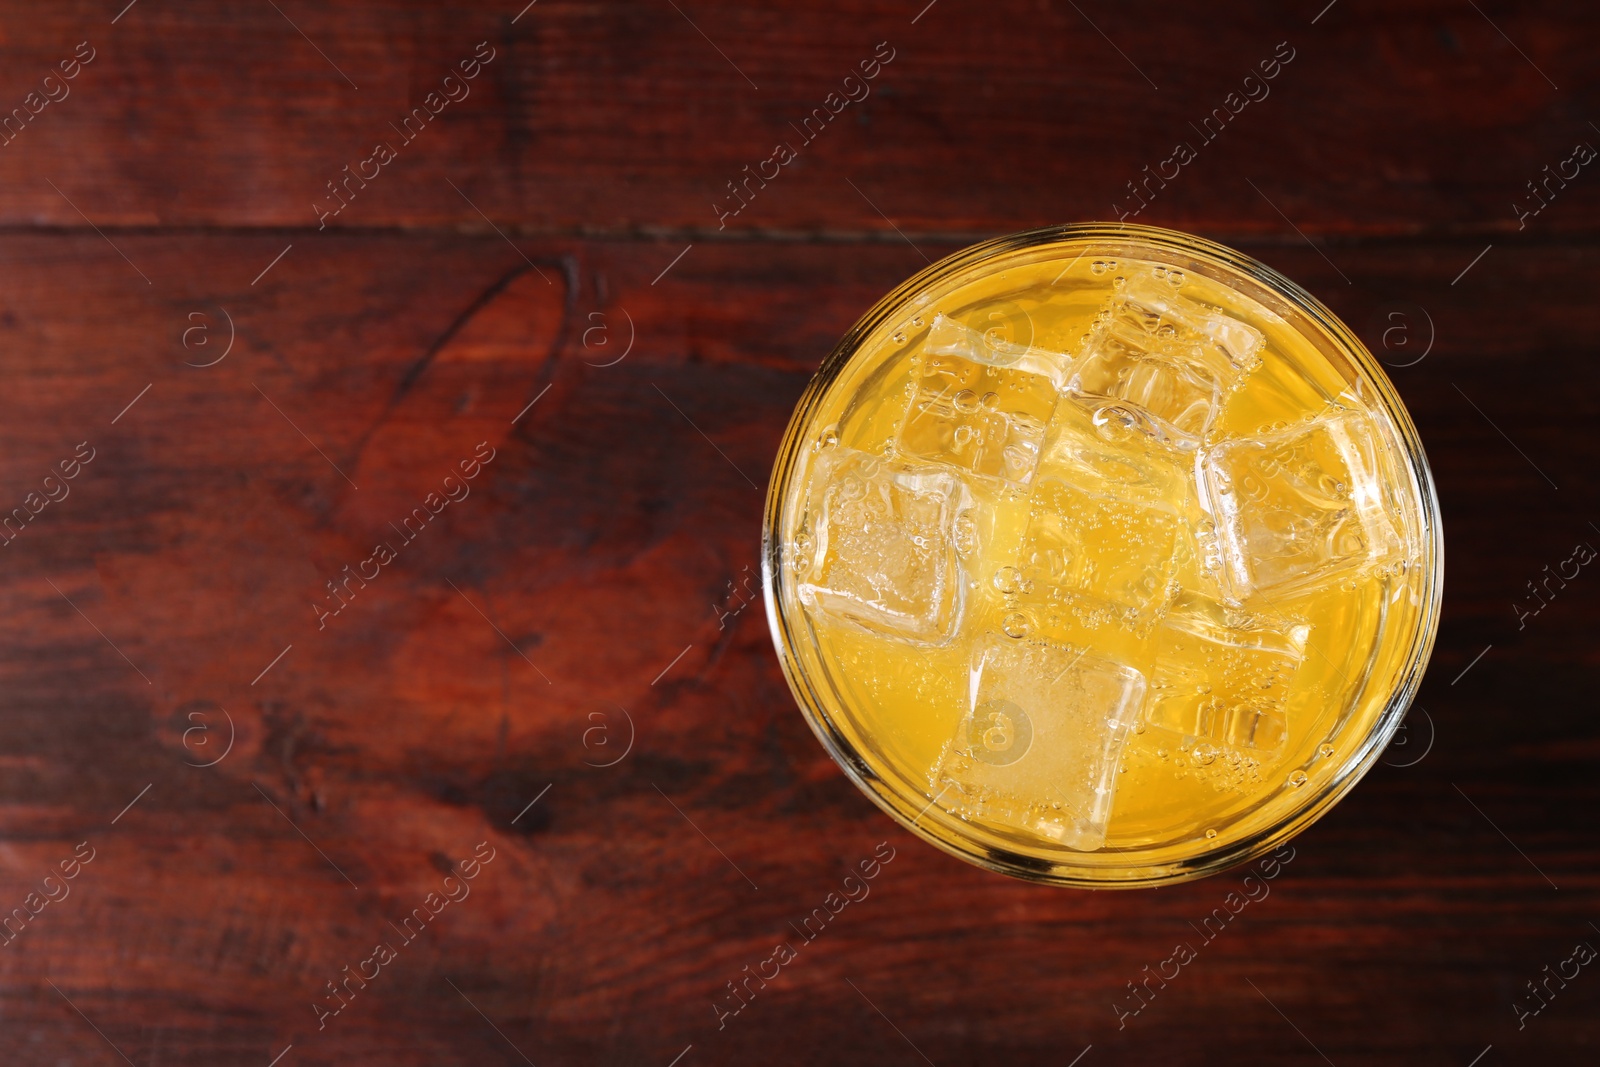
{"x":570,"y":602}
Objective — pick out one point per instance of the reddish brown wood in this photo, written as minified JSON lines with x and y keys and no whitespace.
{"x":596,"y":548}
{"x":597,"y":540}
{"x":1389,"y":119}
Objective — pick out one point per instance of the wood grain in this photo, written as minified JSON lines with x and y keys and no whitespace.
{"x":569,"y":600}
{"x":622,"y":118}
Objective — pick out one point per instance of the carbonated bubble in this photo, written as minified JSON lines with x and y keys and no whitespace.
{"x":1008,"y":581}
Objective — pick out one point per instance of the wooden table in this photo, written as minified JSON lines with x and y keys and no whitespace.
{"x":541,"y":276}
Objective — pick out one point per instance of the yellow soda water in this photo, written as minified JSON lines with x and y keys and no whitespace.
{"x":1099,"y":558}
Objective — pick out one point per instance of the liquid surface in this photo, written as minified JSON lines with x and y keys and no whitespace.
{"x":1100,"y":554}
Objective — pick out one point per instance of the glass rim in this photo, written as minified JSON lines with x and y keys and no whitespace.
{"x":965,"y":845}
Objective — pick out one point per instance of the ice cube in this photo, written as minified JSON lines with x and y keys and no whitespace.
{"x":1300,"y":508}
{"x":1006,"y":343}
{"x":1164,"y":360}
{"x":1039,"y":746}
{"x":885,"y":545}
{"x":979,"y":407}
{"x":1103,"y":530}
{"x":1222,"y":676}
{"x":1104,"y":456}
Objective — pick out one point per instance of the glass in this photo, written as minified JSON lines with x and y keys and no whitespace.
{"x":1102,"y":556}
